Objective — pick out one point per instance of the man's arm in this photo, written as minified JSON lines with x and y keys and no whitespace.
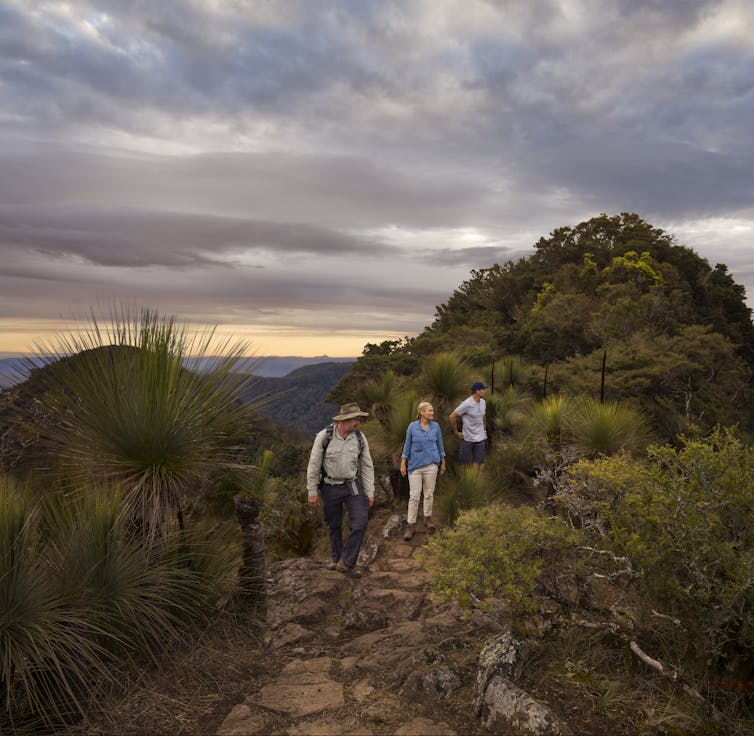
{"x":367,"y":472}
{"x":454,"y":424}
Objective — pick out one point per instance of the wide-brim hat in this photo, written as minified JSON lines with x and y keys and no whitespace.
{"x":349,"y":411}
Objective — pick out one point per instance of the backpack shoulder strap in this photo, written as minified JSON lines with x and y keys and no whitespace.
{"x":325,"y":442}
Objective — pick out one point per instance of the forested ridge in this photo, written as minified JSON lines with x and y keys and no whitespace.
{"x":677,"y":331}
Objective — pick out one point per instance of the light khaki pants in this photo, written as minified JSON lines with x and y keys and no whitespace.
{"x":421,"y":480}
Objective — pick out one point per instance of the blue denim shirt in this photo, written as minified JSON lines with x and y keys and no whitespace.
{"x":423,"y":447}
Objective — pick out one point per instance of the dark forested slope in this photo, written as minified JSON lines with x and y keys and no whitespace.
{"x":299,"y":398}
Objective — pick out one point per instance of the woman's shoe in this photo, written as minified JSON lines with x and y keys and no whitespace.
{"x":410,"y":529}
{"x":429,"y":525}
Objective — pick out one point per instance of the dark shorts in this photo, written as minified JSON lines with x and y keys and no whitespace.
{"x":472,"y":452}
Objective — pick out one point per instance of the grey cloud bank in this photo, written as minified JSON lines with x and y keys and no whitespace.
{"x":337,"y":168}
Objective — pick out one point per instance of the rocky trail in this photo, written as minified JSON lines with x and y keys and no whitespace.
{"x":376,"y":655}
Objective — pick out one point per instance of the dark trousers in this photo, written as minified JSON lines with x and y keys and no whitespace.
{"x":334,"y":498}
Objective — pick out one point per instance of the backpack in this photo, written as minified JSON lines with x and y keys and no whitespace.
{"x":326,"y":441}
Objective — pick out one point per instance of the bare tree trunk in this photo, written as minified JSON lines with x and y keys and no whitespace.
{"x":252,"y":574}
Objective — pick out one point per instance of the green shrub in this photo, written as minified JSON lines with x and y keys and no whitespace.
{"x":492,"y":552}
{"x":684,"y":520}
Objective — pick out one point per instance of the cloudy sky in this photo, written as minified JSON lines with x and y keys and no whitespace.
{"x":315,"y":174}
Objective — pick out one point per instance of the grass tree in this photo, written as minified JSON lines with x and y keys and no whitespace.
{"x":445,"y":378}
{"x":606,"y":428}
{"x":50,"y":659}
{"x":548,"y":419}
{"x":140,"y":406}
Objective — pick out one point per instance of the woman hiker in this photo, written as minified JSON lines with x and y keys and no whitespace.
{"x":423,"y":453}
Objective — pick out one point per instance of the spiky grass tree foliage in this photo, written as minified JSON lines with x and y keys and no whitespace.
{"x":445,"y":378}
{"x":388,"y":437}
{"x":548,"y":419}
{"x":79,"y":601}
{"x":50,"y":654}
{"x":141,"y":407}
{"x":607,"y":428}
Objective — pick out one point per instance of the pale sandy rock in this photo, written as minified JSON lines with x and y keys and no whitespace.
{"x":302,"y":699}
{"x":391,"y":637}
{"x":362,"y":690}
{"x":290,"y":634}
{"x":424,"y":727}
{"x":243,"y":721}
{"x":390,"y":659}
{"x":408,"y":580}
{"x":348,"y":664}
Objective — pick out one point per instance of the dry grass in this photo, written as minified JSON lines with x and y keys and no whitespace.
{"x":191,"y":692}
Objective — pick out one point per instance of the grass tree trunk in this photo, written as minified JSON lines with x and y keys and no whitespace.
{"x":253,"y":571}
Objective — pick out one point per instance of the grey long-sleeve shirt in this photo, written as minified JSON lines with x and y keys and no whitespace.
{"x":341,"y":461}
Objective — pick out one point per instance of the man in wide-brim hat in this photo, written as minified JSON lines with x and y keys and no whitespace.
{"x":341,"y":471}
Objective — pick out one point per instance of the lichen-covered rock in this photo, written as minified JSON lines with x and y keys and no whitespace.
{"x":506,"y":708}
{"x":436,"y":682}
{"x":364,"y":619}
{"x":503,"y":655}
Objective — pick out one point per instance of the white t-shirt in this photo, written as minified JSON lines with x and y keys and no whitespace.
{"x":472,"y":414}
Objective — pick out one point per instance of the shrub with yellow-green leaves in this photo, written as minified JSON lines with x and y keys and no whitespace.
{"x":684,"y":520}
{"x":495,"y":552}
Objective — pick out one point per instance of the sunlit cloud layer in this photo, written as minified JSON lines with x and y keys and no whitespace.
{"x":321,"y":174}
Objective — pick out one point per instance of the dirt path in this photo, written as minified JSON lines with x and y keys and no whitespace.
{"x":371,"y":656}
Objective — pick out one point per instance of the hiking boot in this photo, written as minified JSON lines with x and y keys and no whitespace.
{"x":429,"y":525}
{"x":332,"y":565}
{"x":410,"y":529}
{"x":348,"y":571}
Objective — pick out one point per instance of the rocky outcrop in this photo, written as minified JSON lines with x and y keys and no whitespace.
{"x":378,"y":656}
{"x":502,"y":706}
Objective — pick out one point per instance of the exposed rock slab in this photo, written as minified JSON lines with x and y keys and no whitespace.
{"x":303,"y":688}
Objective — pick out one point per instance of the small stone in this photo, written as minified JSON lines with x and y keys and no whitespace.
{"x":361,"y":690}
{"x":242,"y":721}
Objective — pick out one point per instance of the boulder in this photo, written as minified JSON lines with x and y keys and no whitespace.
{"x":506,"y":708}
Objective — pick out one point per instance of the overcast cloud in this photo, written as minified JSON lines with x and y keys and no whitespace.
{"x":333,"y":169}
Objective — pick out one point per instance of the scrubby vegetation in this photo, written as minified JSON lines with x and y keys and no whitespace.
{"x":610,"y":524}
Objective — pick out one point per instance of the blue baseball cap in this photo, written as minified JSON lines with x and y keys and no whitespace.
{"x":477,"y":386}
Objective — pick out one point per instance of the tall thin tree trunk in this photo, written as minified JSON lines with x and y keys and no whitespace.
{"x":252,"y":574}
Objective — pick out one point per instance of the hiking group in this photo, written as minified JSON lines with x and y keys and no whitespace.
{"x":340,"y":473}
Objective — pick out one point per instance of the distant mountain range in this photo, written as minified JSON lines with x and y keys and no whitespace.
{"x":12,"y":370}
{"x":298,"y":398}
{"x":291,"y":389}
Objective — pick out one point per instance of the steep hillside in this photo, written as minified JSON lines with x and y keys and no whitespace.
{"x":299,"y":399}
